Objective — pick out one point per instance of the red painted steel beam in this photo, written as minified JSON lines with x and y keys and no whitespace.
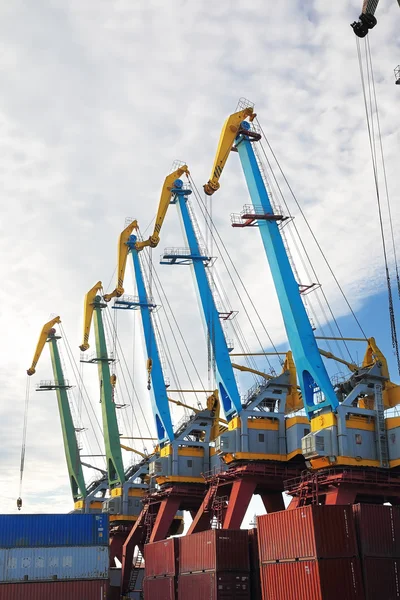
{"x":202,"y":520}
{"x":165,"y":515}
{"x":239,"y":499}
{"x":135,"y":538}
{"x":273,"y":501}
{"x":116,"y":544}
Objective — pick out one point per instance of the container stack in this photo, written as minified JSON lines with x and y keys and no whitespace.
{"x":214,"y":565}
{"x":378,"y":533}
{"x":309,"y":553}
{"x":43,"y":557}
{"x":161,"y":569}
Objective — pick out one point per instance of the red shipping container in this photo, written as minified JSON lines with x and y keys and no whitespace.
{"x":378,"y":530}
{"x":332,"y":579}
{"x":381,"y":578}
{"x":214,"y":586}
{"x":161,"y":558}
{"x":55,"y":590}
{"x":308,"y":532}
{"x":214,"y":550}
{"x":159,"y":588}
{"x":255,"y":581}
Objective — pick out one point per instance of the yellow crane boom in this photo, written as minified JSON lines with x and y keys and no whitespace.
{"x":41,"y":343}
{"x":88,"y":314}
{"x":229,"y":132}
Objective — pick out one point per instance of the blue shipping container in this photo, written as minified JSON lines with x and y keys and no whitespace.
{"x":29,"y":531}
{"x":48,"y":564}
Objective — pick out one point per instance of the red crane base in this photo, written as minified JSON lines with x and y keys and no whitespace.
{"x":230,"y":493}
{"x":344,"y":486}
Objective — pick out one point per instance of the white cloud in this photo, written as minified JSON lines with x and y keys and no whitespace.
{"x":95,"y":104}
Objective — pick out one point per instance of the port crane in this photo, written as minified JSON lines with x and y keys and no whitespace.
{"x":175,"y":474}
{"x":348,"y":425}
{"x":259,"y":438}
{"x":367,"y":19}
{"x":86,"y":499}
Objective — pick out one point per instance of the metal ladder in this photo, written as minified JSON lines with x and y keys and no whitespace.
{"x":135,"y":571}
{"x":383,"y":450}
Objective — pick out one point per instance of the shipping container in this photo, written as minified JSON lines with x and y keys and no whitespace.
{"x":381,"y":578}
{"x":326,"y":579}
{"x":159,"y":588}
{"x":255,"y":580}
{"x":214,"y":585}
{"x":59,"y":590}
{"x":29,"y":531}
{"x":46,"y":564}
{"x":308,"y":532}
{"x":214,"y":550}
{"x":378,"y":530}
{"x":161,"y":558}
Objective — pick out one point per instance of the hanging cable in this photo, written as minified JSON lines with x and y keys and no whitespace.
{"x":370,"y":126}
{"x":23,"y":447}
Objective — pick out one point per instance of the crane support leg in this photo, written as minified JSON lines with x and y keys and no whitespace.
{"x":136,"y":537}
{"x":165,"y":516}
{"x":341,"y":495}
{"x":273,"y":501}
{"x":201,"y":521}
{"x":239,"y":500}
{"x":116,"y":544}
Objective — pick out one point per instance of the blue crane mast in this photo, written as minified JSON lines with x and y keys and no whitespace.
{"x":338,"y":416}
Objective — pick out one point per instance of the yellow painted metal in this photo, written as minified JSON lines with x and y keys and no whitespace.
{"x":394,"y":463}
{"x":234,"y":423}
{"x":123,"y":252}
{"x":124,"y":437}
{"x":360,"y":422}
{"x":125,"y":518}
{"x":88,"y":314}
{"x":135,"y":492}
{"x":294,"y":400}
{"x":226,"y":140}
{"x":270,"y":424}
{"x":79,"y":504}
{"x":351,"y":366}
{"x":323,"y":421}
{"x":249,"y":370}
{"x":178,"y":479}
{"x":392,"y":422}
{"x":296,"y":421}
{"x":41,"y":343}
{"x":340,"y":339}
{"x":254,"y":456}
{"x":182,"y":451}
{"x":129,"y":449}
{"x":293,"y":454}
{"x":324,"y":462}
{"x":162,"y":208}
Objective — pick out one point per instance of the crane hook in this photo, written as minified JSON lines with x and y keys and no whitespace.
{"x":19,"y":503}
{"x":149,"y":367}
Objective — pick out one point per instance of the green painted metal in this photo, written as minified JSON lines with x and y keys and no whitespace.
{"x":115,"y":465}
{"x":74,"y":465}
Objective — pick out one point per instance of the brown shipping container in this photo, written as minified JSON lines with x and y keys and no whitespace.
{"x":332,"y":579}
{"x":159,"y":588}
{"x":378,"y":530}
{"x":161,"y":558}
{"x":255,"y":581}
{"x":214,"y":586}
{"x":381,"y":578}
{"x":309,"y":532}
{"x":57,"y":590}
{"x":214,"y":550}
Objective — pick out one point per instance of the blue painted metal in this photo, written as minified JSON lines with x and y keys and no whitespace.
{"x":226,"y":382}
{"x":159,"y":399}
{"x":25,"y":531}
{"x":311,"y":371}
{"x":47,"y":564}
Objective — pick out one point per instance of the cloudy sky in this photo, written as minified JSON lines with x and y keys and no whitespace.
{"x":97,"y":100}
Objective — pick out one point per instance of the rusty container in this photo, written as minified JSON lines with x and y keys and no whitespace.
{"x":326,"y":579}
{"x":161,"y":558}
{"x":378,"y":530}
{"x":381,"y":578}
{"x":255,"y":581}
{"x":159,"y":588}
{"x":55,"y":590}
{"x":212,"y":585}
{"x":308,"y":532}
{"x":214,"y":550}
